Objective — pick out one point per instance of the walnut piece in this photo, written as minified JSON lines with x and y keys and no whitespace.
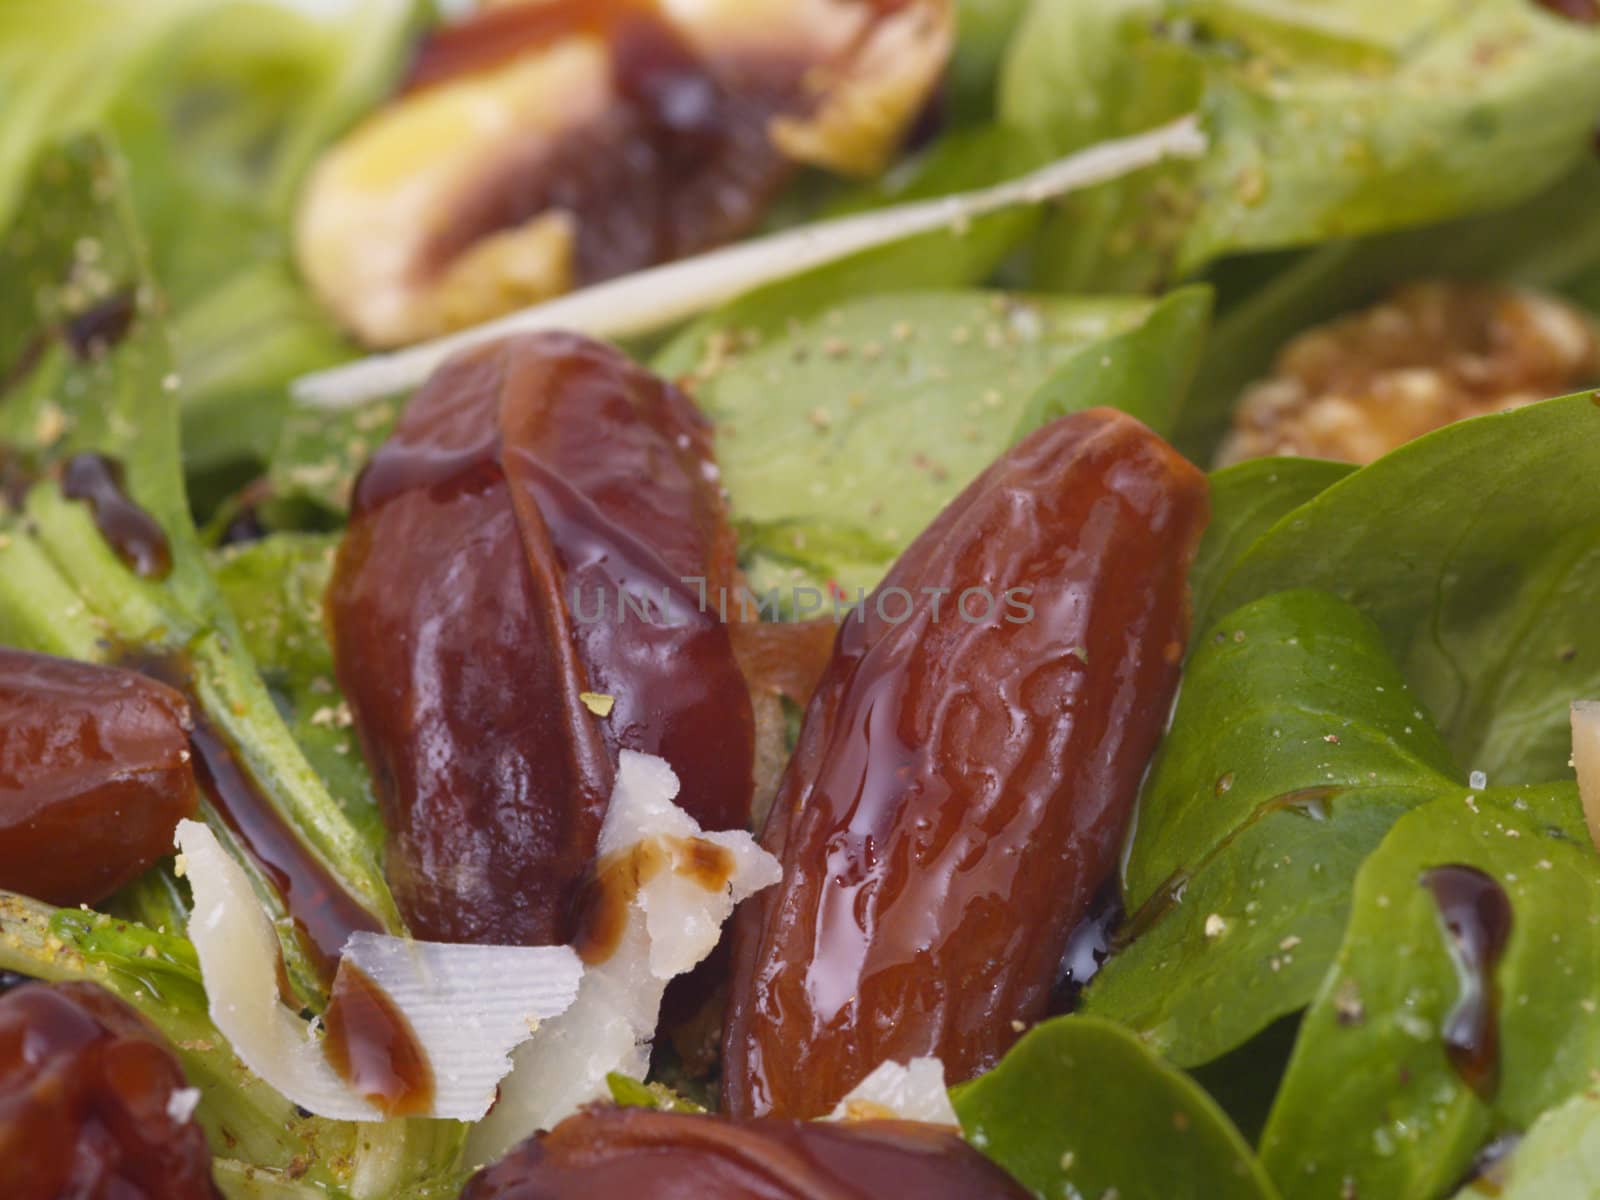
{"x":1432,"y":353}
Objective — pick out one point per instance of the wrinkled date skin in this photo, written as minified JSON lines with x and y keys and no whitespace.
{"x":480,"y":592}
{"x":680,"y":1156}
{"x":94,"y":776}
{"x":960,"y":788}
{"x":85,"y":1086}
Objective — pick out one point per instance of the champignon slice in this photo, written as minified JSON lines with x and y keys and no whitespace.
{"x":541,"y":146}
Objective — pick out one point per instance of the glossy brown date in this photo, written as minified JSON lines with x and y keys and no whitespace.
{"x":94,"y":776}
{"x":86,"y":1102}
{"x":540,"y":496}
{"x":678,"y":1156}
{"x":960,"y":786}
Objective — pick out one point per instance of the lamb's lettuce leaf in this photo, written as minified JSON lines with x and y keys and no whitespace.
{"x":74,"y":250}
{"x":962,"y":161}
{"x":1077,"y":74}
{"x":984,"y":28}
{"x":840,"y":439}
{"x":1246,"y":500}
{"x":276,"y":586}
{"x":1558,"y":1159}
{"x":311,"y":474}
{"x":1457,"y":537}
{"x":1294,"y":746}
{"x":1327,"y":121}
{"x":1527,"y":659}
{"x":219,"y":107}
{"x":1371,"y":1096}
{"x":1082,"y":1107}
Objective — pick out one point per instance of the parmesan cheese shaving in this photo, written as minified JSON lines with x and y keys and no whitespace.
{"x":913,"y":1091}
{"x":1586,"y":761}
{"x":653,"y":299}
{"x":468,"y":1006}
{"x":672,"y":923}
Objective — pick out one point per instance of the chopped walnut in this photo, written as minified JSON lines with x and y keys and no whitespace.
{"x":545,"y":145}
{"x":1432,"y":353}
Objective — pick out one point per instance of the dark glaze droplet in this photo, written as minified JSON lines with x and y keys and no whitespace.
{"x":100,"y":326}
{"x":12,"y":979}
{"x":372,"y":1046}
{"x":1091,"y":943}
{"x":1476,"y":913}
{"x":603,"y":902}
{"x":134,"y":534}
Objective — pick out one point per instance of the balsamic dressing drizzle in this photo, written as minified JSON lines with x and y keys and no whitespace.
{"x":135,"y":536}
{"x":96,"y":329}
{"x":1476,"y":914}
{"x":324,"y":913}
{"x":372,"y":1046}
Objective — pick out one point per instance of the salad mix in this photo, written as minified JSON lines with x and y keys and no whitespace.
{"x":841,"y":598}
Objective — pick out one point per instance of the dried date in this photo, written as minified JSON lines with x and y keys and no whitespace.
{"x":93,"y":1104}
{"x":668,"y":1156}
{"x":509,"y":611}
{"x":95,"y":775}
{"x":966,"y":770}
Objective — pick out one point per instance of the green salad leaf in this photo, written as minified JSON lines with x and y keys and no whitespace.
{"x":1353,"y":33}
{"x":1491,"y":105}
{"x":1077,"y":74}
{"x":1294,"y":746}
{"x":311,"y":474}
{"x":1082,"y":1107}
{"x":1558,"y":1159}
{"x":219,"y":107}
{"x":1246,"y":500}
{"x":962,"y":256}
{"x":75,"y":257}
{"x":1372,"y":1101}
{"x":1526,"y":660}
{"x":1330,"y":120}
{"x":276,"y":586}
{"x":984,"y":28}
{"x":839,"y":440}
{"x":1438,"y":540}
{"x":628,"y":1092}
{"x":265,"y":1146}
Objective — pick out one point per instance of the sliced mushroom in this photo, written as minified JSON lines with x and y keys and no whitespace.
{"x":1432,"y":353}
{"x":541,"y":146}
